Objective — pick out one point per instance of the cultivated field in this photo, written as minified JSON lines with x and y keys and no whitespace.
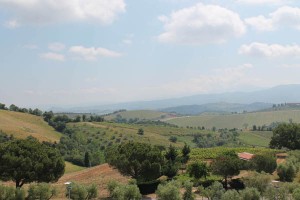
{"x":22,"y":125}
{"x":237,"y":120}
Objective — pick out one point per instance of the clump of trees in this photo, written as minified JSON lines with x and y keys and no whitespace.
{"x":212,"y":140}
{"x":286,"y":135}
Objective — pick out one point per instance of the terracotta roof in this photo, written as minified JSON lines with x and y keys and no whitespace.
{"x":245,"y":156}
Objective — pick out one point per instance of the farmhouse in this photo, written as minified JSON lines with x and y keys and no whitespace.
{"x":245,"y":156}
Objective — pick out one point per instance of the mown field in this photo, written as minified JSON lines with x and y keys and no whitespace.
{"x":22,"y":125}
{"x":237,"y":120}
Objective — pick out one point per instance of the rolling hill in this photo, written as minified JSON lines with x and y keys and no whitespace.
{"x":22,"y":125}
{"x":222,"y":107}
{"x":237,"y":120}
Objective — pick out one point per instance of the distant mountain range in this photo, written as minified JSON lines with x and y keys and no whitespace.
{"x":275,"y":95}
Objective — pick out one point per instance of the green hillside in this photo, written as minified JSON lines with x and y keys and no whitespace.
{"x":140,"y":114}
{"x":237,"y":120}
{"x":22,"y":125}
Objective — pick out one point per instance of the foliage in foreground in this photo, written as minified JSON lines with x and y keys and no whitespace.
{"x":123,"y":192}
{"x":25,"y":161}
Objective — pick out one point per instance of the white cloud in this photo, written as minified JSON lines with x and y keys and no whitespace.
{"x":270,"y":51}
{"x":201,"y":24}
{"x":53,"y":56}
{"x":262,"y":2}
{"x":57,"y":11}
{"x":260,"y":23}
{"x":285,"y":16}
{"x":56,"y":46}
{"x":92,"y":53}
{"x":12,"y":24}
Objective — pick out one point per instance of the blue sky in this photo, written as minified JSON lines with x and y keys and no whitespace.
{"x":81,"y":52}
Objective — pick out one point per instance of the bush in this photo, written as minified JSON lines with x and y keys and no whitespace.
{"x":188,"y":194}
{"x":7,"y":193}
{"x":296,"y":194}
{"x":215,"y":191}
{"x":266,"y":163}
{"x":169,"y":191}
{"x":250,"y":194}
{"x":258,"y":181}
{"x":79,"y":192}
{"x":286,"y":172}
{"x":41,"y":191}
{"x":124,"y":192}
{"x":231,"y":195}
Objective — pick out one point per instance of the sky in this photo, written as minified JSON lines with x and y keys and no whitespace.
{"x":82,"y":52}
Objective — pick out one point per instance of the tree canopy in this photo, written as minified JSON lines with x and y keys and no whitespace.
{"x":25,"y":161}
{"x":140,"y":161}
{"x":286,"y":136}
{"x":226,"y":165}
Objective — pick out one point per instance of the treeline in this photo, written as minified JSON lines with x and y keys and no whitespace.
{"x":224,"y":137}
{"x":120,"y":119}
{"x":15,"y":108}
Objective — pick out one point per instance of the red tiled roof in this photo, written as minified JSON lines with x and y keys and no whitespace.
{"x":245,"y":156}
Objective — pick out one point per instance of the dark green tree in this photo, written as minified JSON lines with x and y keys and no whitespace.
{"x":198,"y":170}
{"x":2,"y":106}
{"x":140,"y":131}
{"x":226,"y":165}
{"x":83,"y":118}
{"x":25,"y":161}
{"x":185,"y":153}
{"x":171,"y":154}
{"x":87,"y":159}
{"x":286,"y":135}
{"x":138,"y":160}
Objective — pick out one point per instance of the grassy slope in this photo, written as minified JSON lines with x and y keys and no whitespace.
{"x":111,"y":132}
{"x":22,"y":125}
{"x":141,"y":114}
{"x":257,"y":138}
{"x":238,"y":120}
{"x":70,"y":168}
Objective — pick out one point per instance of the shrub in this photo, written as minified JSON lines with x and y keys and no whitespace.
{"x":296,"y":194}
{"x":79,"y":192}
{"x":188,"y":194}
{"x":41,"y":191}
{"x":258,"y":181}
{"x":124,"y":192}
{"x":215,"y":191}
{"x":231,"y":195}
{"x":266,"y":163}
{"x":169,"y":191}
{"x":7,"y":193}
{"x":286,"y":172}
{"x":250,"y":194}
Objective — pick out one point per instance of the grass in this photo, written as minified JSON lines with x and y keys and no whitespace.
{"x":256,"y":138}
{"x":237,"y":120}
{"x":22,"y":125}
{"x":70,"y":168}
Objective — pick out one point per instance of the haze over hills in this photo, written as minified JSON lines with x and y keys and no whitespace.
{"x":278,"y":94}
